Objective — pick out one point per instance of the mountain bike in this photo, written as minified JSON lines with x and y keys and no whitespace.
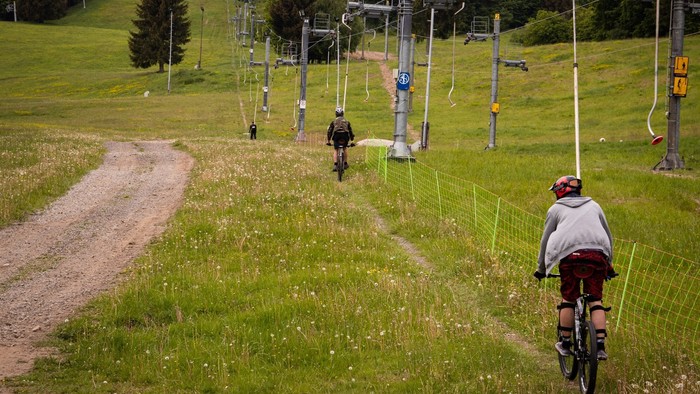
{"x":583,"y":360}
{"x":340,"y":168}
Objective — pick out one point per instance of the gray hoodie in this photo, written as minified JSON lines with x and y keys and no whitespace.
{"x":573,"y":223}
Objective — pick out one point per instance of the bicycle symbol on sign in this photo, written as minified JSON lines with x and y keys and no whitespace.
{"x":403,"y":81}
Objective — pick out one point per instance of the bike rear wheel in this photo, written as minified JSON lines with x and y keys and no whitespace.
{"x":568,"y":364}
{"x":588,"y":367}
{"x":341,"y":164}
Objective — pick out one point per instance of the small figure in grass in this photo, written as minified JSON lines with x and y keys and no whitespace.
{"x":576,"y":236}
{"x":340,"y":131}
{"x":253,"y":129}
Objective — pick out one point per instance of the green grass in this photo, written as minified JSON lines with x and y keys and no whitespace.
{"x":253,"y":287}
{"x":39,"y":165}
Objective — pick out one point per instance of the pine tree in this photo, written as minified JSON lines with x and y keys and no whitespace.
{"x":150,"y":44}
{"x":40,"y":10}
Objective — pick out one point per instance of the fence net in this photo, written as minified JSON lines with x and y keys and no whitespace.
{"x":654,"y":299}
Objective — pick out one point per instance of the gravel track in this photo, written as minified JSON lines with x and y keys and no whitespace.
{"x":55,"y":261}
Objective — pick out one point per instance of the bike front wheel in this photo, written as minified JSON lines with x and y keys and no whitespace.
{"x":588,"y":367}
{"x":568,"y":364}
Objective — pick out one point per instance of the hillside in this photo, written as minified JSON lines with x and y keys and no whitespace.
{"x":274,"y":277}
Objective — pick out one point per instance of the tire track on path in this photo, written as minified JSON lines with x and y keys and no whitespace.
{"x":54,"y":262}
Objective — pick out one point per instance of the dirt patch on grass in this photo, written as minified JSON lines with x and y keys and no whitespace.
{"x":388,"y":83}
{"x":54,"y":262}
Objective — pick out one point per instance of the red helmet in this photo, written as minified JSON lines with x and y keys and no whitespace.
{"x":566,"y":185}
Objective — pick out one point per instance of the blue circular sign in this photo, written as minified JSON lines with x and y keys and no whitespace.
{"x":404,"y":81}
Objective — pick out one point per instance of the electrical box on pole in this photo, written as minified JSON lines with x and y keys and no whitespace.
{"x":494,"y":80}
{"x":678,"y":67}
{"x":480,"y":33}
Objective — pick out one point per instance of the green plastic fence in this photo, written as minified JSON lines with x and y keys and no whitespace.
{"x":655,"y":298}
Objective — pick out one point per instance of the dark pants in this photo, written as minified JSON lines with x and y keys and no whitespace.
{"x":589,"y":267}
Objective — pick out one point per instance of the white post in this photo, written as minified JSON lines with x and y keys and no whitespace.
{"x":347,"y":63}
{"x":337,"y":63}
{"x":576,"y":119}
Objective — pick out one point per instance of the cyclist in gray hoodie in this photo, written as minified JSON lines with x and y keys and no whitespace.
{"x":576,"y":236}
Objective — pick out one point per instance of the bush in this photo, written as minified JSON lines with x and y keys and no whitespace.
{"x":547,"y":28}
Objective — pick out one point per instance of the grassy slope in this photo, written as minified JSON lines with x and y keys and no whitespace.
{"x":244,"y":292}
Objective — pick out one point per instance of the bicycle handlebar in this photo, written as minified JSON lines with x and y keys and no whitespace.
{"x":347,"y":146}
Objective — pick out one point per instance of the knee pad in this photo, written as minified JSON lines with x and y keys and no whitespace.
{"x":600,"y":308}
{"x":566,"y":305}
{"x":562,"y":328}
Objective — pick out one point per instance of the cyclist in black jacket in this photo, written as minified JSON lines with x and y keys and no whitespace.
{"x":340,"y":131}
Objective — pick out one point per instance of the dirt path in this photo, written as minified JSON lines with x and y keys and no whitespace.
{"x":55,"y":261}
{"x":387,"y":81}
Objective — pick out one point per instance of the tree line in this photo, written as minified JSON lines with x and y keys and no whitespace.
{"x":532,"y":22}
{"x":537,"y":21}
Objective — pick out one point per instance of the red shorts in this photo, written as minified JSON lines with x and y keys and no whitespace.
{"x":589,"y":267}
